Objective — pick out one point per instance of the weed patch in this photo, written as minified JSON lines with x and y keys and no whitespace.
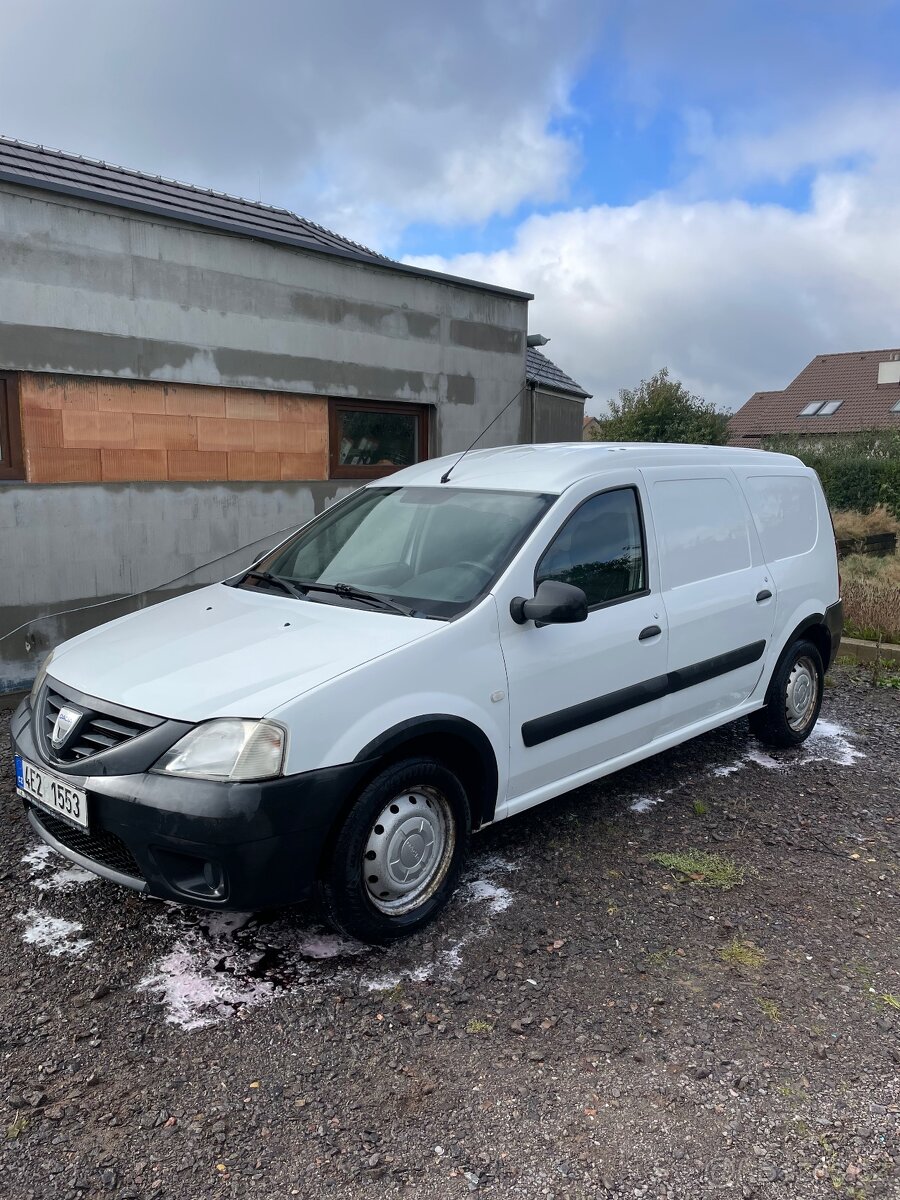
{"x":701,"y":867}
{"x":742,"y":954}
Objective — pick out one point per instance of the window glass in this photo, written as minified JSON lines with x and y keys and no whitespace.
{"x":702,"y":529}
{"x":810,"y":410}
{"x":784,"y":510}
{"x":367,"y":438}
{"x":830,"y":406}
{"x":434,"y":549}
{"x":599,"y":549}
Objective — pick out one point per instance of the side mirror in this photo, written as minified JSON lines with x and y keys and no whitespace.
{"x":554,"y":603}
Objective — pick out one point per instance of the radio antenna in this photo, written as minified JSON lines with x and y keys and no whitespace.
{"x":454,"y":465}
{"x":528,"y":383}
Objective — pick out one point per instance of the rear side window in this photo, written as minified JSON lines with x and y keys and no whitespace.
{"x":784,"y":511}
{"x":702,"y":529}
{"x":599,"y":549}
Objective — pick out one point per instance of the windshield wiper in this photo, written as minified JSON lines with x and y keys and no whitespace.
{"x":351,"y":592}
{"x":285,"y":584}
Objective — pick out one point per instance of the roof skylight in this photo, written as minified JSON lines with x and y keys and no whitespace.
{"x":820,"y":408}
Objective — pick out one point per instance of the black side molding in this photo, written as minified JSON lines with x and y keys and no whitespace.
{"x":567,"y":720}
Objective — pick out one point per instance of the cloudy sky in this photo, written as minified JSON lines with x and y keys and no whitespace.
{"x":711,"y":185}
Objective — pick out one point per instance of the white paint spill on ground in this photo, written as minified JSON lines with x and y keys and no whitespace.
{"x":61,"y":881}
{"x":643,"y":804}
{"x":325,"y":946}
{"x":53,"y":934}
{"x":40,"y":862}
{"x":40,"y":858}
{"x":223,"y":924}
{"x":448,"y":961}
{"x":498,"y":898}
{"x":729,"y":770}
{"x":764,"y":760}
{"x":213,"y":968}
{"x":828,"y":742}
{"x":194,"y":997}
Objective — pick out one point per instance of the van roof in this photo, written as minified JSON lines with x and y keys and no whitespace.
{"x":555,"y":466}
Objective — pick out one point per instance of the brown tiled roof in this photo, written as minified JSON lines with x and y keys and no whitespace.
{"x":851,"y":378}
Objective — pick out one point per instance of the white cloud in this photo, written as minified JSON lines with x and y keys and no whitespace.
{"x":360,"y":115}
{"x":731,"y":296}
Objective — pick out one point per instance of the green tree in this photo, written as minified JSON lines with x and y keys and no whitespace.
{"x":661,"y":409}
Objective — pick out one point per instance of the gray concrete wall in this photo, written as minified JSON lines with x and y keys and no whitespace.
{"x":555,"y":418}
{"x":89,"y":289}
{"x":64,"y":546}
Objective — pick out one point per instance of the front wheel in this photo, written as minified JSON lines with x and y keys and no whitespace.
{"x":794,"y":698}
{"x":398,"y":855}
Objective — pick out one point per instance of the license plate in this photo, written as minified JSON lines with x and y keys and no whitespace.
{"x":32,"y":783}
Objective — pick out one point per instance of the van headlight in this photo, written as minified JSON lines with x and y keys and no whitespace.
{"x":227,"y":749}
{"x":39,"y":679}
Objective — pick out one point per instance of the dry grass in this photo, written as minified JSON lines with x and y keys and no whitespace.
{"x":871,"y":595}
{"x":851,"y":524}
{"x":870,"y":568}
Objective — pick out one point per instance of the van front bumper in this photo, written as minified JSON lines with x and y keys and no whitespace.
{"x":231,"y":846}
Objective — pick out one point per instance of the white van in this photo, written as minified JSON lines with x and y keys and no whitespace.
{"x":440,"y":650}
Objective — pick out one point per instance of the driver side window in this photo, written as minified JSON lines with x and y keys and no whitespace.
{"x":599,"y":549}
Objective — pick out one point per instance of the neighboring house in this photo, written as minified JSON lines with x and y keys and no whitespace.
{"x":835,"y":393}
{"x":590,"y":429}
{"x":183,"y":373}
{"x":556,"y":401}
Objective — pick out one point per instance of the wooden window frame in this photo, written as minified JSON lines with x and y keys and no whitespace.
{"x":338,"y":470}
{"x":12,"y":468}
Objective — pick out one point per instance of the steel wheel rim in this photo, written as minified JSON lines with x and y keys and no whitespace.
{"x":408,"y":850}
{"x":802,"y":694}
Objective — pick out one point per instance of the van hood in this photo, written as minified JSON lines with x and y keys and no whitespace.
{"x":225,"y":651}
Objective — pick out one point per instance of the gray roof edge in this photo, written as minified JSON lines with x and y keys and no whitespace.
{"x":573,"y":392}
{"x":237,"y":230}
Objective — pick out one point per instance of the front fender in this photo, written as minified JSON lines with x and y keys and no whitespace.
{"x":457,"y":674}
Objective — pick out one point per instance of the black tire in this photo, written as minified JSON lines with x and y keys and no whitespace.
{"x":414,"y":794}
{"x":783,"y":721}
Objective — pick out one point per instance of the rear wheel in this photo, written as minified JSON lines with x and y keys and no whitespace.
{"x":794,"y":698}
{"x":398,"y":855}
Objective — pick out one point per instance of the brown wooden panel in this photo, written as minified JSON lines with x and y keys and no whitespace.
{"x":12,"y":463}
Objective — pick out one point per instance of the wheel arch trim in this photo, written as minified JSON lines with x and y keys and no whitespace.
{"x":442,"y":725}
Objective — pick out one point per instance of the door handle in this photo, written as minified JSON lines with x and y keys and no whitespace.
{"x":649,"y":632}
{"x":765,"y":594}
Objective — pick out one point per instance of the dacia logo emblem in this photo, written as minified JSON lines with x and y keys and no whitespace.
{"x":66,"y":720}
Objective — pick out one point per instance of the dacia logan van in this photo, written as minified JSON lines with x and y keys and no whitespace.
{"x":438,"y":651}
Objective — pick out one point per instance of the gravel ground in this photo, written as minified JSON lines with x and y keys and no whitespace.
{"x":583,"y":1021}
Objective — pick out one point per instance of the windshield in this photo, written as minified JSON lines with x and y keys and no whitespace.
{"x":435,"y":550}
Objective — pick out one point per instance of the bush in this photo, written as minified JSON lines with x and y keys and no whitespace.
{"x":859,"y":471}
{"x":661,"y":409}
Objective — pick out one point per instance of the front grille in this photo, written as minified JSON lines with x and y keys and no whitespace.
{"x":97,"y":730}
{"x":100,"y":846}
